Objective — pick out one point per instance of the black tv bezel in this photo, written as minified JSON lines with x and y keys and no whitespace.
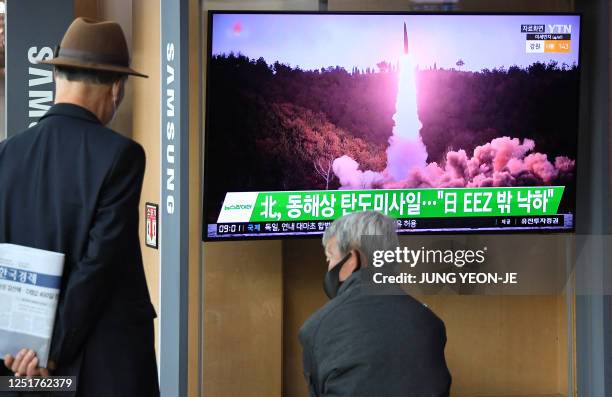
{"x":206,"y":129}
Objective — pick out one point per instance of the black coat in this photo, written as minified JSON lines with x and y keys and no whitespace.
{"x":365,"y":345}
{"x":71,"y":185}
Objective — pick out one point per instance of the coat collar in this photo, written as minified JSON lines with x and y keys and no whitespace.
{"x":352,"y":281}
{"x":71,"y":110}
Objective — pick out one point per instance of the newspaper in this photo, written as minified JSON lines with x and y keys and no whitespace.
{"x":29,"y":290}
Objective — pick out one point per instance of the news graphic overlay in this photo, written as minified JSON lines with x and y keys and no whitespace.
{"x":422,"y":117}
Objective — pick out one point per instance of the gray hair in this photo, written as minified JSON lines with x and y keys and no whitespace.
{"x":89,"y":76}
{"x":350,"y":228}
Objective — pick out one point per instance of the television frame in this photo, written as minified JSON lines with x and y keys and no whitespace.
{"x":206,"y":127}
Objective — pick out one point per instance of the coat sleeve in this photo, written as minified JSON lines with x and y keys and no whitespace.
{"x":90,"y":282}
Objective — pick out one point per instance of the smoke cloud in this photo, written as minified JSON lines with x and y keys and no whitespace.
{"x":504,"y":161}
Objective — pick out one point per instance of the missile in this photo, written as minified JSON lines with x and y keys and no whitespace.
{"x":405,"y":39}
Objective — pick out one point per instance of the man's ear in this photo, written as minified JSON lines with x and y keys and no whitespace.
{"x":361,"y":260}
{"x":351,"y":265}
{"x":56,"y":76}
{"x":117,"y":91}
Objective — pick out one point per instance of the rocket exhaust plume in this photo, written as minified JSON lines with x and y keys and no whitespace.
{"x":406,"y":149}
{"x":504,"y":161}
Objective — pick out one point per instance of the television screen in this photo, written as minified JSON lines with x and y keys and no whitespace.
{"x":445,"y":122}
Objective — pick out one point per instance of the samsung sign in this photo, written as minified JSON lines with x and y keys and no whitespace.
{"x":170,"y":128}
{"x":174,"y":206}
{"x":40,"y":84}
{"x":29,"y":85}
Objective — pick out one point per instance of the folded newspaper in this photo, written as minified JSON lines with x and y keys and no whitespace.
{"x":29,"y":290}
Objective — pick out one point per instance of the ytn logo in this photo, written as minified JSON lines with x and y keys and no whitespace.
{"x":559,"y":28}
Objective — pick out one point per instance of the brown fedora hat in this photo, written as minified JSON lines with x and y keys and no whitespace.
{"x":94,"y":45}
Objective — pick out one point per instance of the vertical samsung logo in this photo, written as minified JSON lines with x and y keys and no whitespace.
{"x":170,"y":128}
{"x":40,"y":84}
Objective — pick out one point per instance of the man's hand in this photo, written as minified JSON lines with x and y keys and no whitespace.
{"x":25,"y":363}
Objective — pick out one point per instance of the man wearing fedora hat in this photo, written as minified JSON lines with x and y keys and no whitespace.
{"x":71,"y":185}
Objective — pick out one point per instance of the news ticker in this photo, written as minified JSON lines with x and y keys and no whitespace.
{"x":37,"y":384}
{"x":542,"y":222}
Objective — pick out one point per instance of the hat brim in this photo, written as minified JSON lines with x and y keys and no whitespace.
{"x":73,"y":63}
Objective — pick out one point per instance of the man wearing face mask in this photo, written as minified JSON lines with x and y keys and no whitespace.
{"x":71,"y":185}
{"x":361,"y":344}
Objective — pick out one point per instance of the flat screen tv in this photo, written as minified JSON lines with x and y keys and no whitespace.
{"x":449,"y":123}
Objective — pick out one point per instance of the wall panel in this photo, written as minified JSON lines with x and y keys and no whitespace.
{"x":242,"y":319}
{"x":146,"y":124}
